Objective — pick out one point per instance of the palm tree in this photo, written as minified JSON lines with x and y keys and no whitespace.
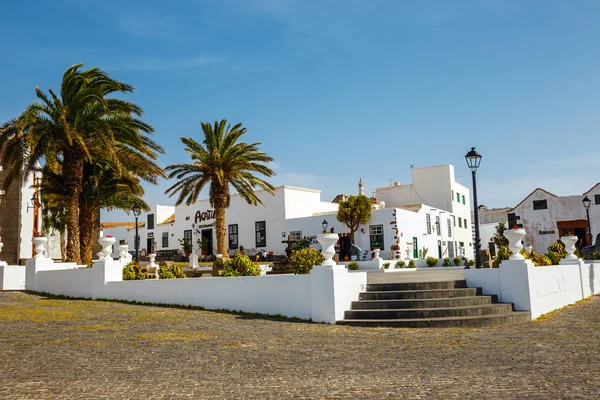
{"x":76,"y":128}
{"x":221,"y":161}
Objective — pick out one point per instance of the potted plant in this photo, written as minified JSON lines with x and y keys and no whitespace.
{"x":186,"y":245}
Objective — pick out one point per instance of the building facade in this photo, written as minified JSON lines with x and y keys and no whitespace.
{"x":450,"y":202}
{"x":20,"y":217}
{"x":546,"y":217}
{"x":294,"y":213}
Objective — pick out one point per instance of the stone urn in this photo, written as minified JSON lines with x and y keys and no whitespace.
{"x":39,"y":243}
{"x":328,"y":241}
{"x":107,"y":244}
{"x":570,"y":242}
{"x":376,"y":251}
{"x":515,"y":236}
{"x":123,"y":251}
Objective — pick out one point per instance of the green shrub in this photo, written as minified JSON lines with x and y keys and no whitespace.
{"x":411,"y":264}
{"x":431,"y":261}
{"x":400,"y":264}
{"x":353,"y":266}
{"x":596,"y":256}
{"x":240,"y":265}
{"x":304,"y":260}
{"x":457,"y":261}
{"x":169,"y":272}
{"x":424,"y":253}
{"x":134,"y":272}
{"x":386,"y":265}
{"x":503,"y":254}
{"x":446,"y":262}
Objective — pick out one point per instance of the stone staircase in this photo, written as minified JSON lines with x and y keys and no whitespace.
{"x":429,"y":305}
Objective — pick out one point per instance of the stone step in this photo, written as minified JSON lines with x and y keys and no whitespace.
{"x":423,"y":303}
{"x":466,"y":311}
{"x":419,"y":294}
{"x":516,"y":317}
{"x":384,"y":287}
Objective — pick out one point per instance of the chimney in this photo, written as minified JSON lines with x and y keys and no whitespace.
{"x":361,"y":188}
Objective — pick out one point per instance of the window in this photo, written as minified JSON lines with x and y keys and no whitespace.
{"x":187,"y":235}
{"x":150,"y":221}
{"x":465,"y":223}
{"x":540,"y":204}
{"x":165,"y":240}
{"x":428,"y":218}
{"x":261,"y":233}
{"x":376,"y":233}
{"x":597,"y":198}
{"x":458,"y":197}
{"x":233,"y":236}
{"x":463,"y":197}
{"x":437,"y":225}
{"x":187,"y":218}
{"x":459,"y":222}
{"x":296,"y":235}
{"x":449,"y":229}
{"x":453,"y":220}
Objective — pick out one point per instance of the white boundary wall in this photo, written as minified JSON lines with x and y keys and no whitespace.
{"x":537,"y":289}
{"x":12,"y":277}
{"x":323,"y":295}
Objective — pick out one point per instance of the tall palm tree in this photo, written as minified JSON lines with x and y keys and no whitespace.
{"x":221,"y":161}
{"x":75,"y":128}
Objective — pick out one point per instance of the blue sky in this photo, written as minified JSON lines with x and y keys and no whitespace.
{"x":341,"y":90}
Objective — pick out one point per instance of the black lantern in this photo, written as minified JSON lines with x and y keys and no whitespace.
{"x":473,"y":160}
{"x":324,"y":224}
{"x":136,"y":212}
{"x":586,"y":204}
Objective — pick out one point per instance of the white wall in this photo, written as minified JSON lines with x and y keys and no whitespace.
{"x":12,"y":277}
{"x":537,"y":289}
{"x":322,"y":296}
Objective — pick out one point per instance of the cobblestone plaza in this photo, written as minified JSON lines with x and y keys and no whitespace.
{"x":77,"y":349}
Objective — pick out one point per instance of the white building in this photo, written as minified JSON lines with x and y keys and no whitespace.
{"x":546,"y":217}
{"x":297,"y":212}
{"x":20,"y":218}
{"x":450,"y":202}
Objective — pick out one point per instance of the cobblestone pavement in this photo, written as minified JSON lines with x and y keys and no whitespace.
{"x":77,"y":349}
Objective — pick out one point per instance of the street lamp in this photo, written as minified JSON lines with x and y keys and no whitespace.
{"x":473,"y":160}
{"x":587,"y":203}
{"x":136,"y":211}
{"x":324,"y":224}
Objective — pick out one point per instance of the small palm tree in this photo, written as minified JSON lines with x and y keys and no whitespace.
{"x":221,"y":161}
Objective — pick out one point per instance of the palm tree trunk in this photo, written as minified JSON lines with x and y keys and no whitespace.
{"x":220,"y":204}
{"x":73,"y":172}
{"x":87,"y":217}
{"x":63,"y":245}
{"x":221,"y":231}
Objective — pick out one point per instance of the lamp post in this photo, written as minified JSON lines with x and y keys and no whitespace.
{"x":324,"y":224}
{"x":136,"y":211}
{"x":473,"y":160}
{"x":587,"y":203}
